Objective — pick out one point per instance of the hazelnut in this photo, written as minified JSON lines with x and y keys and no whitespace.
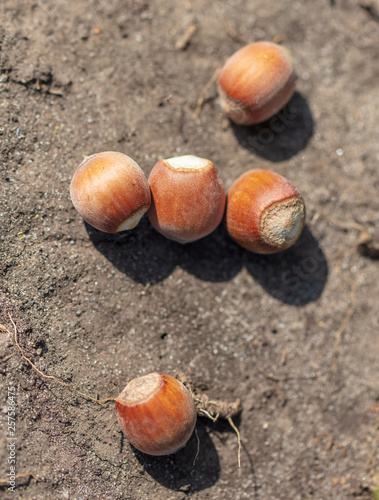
{"x":157,"y":414}
{"x":110,"y":192}
{"x":188,"y":198}
{"x":265,"y":213}
{"x":256,"y":82}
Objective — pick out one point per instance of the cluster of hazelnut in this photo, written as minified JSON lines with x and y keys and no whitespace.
{"x":185,"y":200}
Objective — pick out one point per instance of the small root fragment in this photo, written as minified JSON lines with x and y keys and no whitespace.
{"x":198,"y":447}
{"x":43,"y":375}
{"x":211,"y":408}
{"x":214,"y":408}
{"x":235,"y":428}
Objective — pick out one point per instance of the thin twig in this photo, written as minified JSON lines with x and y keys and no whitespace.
{"x":18,"y":476}
{"x":112,"y":425}
{"x":184,"y":40}
{"x":52,"y":377}
{"x":6,"y":358}
{"x":365,"y":245}
{"x":343,"y":325}
{"x":201,"y":99}
{"x":233,"y":33}
{"x":274,"y":378}
{"x":345,"y":224}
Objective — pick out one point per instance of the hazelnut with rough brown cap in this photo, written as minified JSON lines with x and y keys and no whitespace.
{"x":265,"y":213}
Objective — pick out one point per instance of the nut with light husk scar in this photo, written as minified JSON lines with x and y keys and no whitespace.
{"x":256,"y":82}
{"x":110,"y":192}
{"x":156,"y":413}
{"x":265,"y":213}
{"x":188,"y":198}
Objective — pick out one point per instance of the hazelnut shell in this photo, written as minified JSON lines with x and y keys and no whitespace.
{"x":256,"y":82}
{"x":110,"y":192}
{"x":265,"y":213}
{"x":157,"y":414}
{"x":188,"y":198}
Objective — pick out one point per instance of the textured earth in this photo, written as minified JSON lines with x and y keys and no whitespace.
{"x":293,"y":335}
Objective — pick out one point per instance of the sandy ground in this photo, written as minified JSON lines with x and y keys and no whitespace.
{"x":294,"y":335}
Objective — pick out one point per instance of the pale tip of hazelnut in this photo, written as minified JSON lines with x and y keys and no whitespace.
{"x":140,"y":389}
{"x":282,"y":222}
{"x":235,"y":110}
{"x":133,"y":219}
{"x":187,"y":162}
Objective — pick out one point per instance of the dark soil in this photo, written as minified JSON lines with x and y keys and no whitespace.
{"x":294,"y":335}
